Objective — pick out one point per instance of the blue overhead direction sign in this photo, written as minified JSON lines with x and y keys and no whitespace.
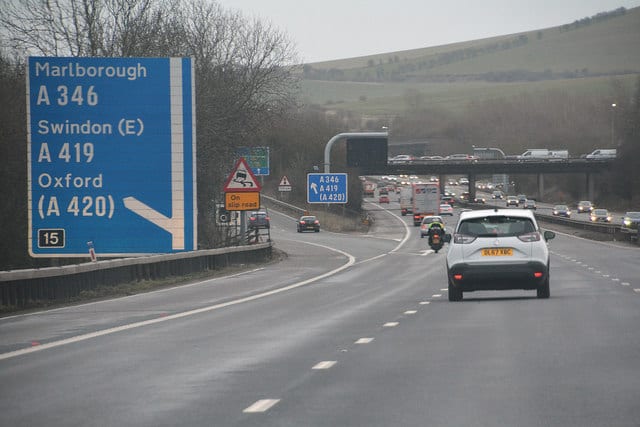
{"x":111,"y":156}
{"x":327,"y":188}
{"x":257,"y":158}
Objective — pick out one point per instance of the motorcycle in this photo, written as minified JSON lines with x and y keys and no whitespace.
{"x":436,"y":241}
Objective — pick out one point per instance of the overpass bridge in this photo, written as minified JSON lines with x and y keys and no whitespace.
{"x":474,"y":168}
{"x":368,"y":151}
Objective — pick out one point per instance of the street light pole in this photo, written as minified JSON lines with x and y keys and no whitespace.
{"x":613,"y":127}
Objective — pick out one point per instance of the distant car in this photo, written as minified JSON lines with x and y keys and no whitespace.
{"x":446,"y":209}
{"x":497,"y":249}
{"x":584,"y":206}
{"x":521,"y":198}
{"x":426,"y":221}
{"x":561,"y":210}
{"x":512,"y":201}
{"x":600,"y":215}
{"x":529,"y":204}
{"x":402,"y":159}
{"x":308,"y":223}
{"x":630,"y":224}
{"x":602,"y":154}
{"x":497,"y":195}
{"x":464,"y":196}
{"x":383,"y":190}
{"x":480,"y":200}
{"x":459,"y":157}
{"x":463,"y":181}
{"x":259,"y":219}
{"x":383,"y":199}
{"x":448,"y":199}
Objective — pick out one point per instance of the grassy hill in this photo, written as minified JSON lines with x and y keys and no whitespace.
{"x":580,"y":57}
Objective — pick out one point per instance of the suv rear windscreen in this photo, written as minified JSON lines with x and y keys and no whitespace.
{"x":496,"y":226}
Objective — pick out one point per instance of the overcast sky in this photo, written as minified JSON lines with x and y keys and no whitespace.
{"x":334,"y":29}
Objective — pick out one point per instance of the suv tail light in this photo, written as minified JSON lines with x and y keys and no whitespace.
{"x":530,"y":237}
{"x":463,"y":239}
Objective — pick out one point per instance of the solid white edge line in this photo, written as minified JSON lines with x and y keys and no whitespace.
{"x":181,"y":315}
{"x":188,"y":285}
{"x":589,"y":240}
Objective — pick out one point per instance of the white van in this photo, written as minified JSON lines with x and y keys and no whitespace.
{"x":602,"y":153}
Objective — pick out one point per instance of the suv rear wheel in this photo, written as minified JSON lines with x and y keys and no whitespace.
{"x":455,"y":294}
{"x":543,"y":290}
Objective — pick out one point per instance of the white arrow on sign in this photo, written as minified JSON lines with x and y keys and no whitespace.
{"x":175,"y":224}
{"x":314,"y":187}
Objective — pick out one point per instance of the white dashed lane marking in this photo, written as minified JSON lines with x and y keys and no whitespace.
{"x":391,"y":324}
{"x":327,"y":364}
{"x":410,"y":312}
{"x":364,"y":340}
{"x":261,"y":406}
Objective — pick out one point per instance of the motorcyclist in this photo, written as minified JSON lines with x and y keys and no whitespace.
{"x":438,"y":224}
{"x":436,"y":227}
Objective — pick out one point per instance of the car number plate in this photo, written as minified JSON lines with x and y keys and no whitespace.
{"x":497,"y":252}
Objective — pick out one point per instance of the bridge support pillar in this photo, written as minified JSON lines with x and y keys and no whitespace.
{"x":441,"y":182}
{"x":540,"y":186}
{"x":472,"y":187}
{"x":590,"y":186}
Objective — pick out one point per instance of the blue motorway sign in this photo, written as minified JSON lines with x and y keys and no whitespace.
{"x":327,"y":188}
{"x":257,"y":158}
{"x":111,"y":155}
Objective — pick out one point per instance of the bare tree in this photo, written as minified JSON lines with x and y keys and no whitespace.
{"x":87,"y":27}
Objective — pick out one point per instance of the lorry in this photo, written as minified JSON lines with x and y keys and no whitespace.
{"x":369,"y":188}
{"x":425,"y":201}
{"x":406,"y":194}
{"x":543,"y":154}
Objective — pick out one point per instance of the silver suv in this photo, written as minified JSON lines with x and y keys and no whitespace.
{"x":498,"y":249}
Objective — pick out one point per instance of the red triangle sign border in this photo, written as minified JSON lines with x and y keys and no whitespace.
{"x":241,"y":179}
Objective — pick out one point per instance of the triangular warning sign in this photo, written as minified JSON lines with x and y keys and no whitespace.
{"x":284,"y":181}
{"x":241,"y":178}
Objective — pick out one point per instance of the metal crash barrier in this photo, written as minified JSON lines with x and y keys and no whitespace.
{"x":23,"y":287}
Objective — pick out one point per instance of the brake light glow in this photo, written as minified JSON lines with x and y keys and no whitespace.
{"x":538,"y":274}
{"x":457,"y":276}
